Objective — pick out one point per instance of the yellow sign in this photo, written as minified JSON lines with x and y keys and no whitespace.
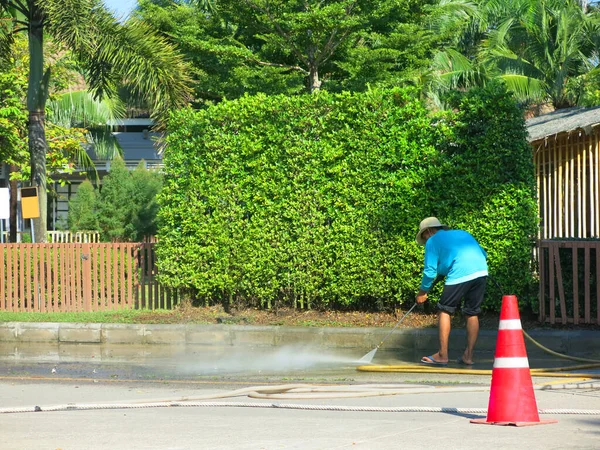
{"x":30,"y":207}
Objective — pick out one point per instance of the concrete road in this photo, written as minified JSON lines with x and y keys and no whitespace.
{"x":254,"y":427}
{"x":235,"y":415}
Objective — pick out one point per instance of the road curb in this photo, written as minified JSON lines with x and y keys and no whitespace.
{"x":575,"y":343}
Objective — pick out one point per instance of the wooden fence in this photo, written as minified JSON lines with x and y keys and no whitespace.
{"x":568,"y":185}
{"x":569,"y":281}
{"x":80,"y":277}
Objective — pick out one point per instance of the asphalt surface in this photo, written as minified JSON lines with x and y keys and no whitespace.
{"x":231,"y":388}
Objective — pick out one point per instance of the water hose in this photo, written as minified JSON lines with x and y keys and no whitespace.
{"x":596,"y":362}
{"x":547,"y":372}
{"x":543,"y":372}
{"x":407,"y":409}
{"x":308,"y":390}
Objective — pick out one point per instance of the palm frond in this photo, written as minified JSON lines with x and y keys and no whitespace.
{"x":80,"y":109}
{"x":525,"y":88}
{"x":84,"y":162}
{"x":6,"y":34}
{"x":104,"y":143}
{"x":115,"y":53}
{"x":454,"y":70}
{"x":150,"y":66}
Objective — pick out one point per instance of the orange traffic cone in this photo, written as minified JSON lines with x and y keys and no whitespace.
{"x":512,"y":401}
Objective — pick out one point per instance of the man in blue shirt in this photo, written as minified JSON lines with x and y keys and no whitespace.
{"x":455,"y":255}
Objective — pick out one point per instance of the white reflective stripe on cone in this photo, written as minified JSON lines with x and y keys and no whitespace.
{"x":511,"y":363}
{"x":510,"y":324}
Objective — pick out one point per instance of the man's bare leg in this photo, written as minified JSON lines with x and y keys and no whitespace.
{"x":444,"y":325}
{"x":472,"y":333}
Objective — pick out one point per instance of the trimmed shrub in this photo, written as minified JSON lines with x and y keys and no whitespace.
{"x":82,"y":209}
{"x":314,"y":201}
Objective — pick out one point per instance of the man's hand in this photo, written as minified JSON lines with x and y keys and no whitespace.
{"x":421,"y":297}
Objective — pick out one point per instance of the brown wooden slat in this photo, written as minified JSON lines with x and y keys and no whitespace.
{"x":55,"y":279}
{"x":3,"y":272}
{"x":561,"y":288}
{"x":26,"y":302}
{"x":86,"y":276}
{"x":60,"y":277}
{"x":95,"y":283}
{"x":144,"y":275}
{"x":48,"y":276}
{"x":73,"y":277}
{"x":117,"y":302}
{"x":137,"y":276}
{"x":130,"y":274}
{"x":153,"y":283}
{"x":92,"y":275}
{"x":102,"y":275}
{"x":586,"y":283}
{"x":543,"y":281}
{"x":575,"y":287}
{"x":11,"y":287}
{"x":40,"y":270}
{"x":552,"y":299}
{"x":598,"y":283}
{"x":108,"y":267}
{"x":123,"y":268}
{"x":66,"y":276}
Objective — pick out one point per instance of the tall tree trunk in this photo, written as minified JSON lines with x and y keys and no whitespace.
{"x":36,"y":103}
{"x":13,"y":205}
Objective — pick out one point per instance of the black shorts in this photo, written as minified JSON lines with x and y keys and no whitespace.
{"x":472,"y":291}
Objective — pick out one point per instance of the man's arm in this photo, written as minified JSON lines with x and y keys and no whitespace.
{"x":422,"y":295}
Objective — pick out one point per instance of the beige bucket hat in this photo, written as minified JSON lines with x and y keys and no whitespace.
{"x":430,"y":222}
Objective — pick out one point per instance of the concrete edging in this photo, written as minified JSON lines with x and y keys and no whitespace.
{"x":583,"y":342}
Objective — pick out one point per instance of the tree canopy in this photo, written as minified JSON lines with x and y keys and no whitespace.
{"x":109,"y":53}
{"x":290,"y":47}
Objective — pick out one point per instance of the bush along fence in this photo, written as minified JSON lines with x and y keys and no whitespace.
{"x":314,"y":201}
{"x":80,"y":277}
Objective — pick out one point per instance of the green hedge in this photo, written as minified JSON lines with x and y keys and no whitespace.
{"x":314,"y":201}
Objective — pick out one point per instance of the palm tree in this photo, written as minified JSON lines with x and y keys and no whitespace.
{"x":543,"y":47}
{"x":537,"y":47}
{"x":79,"y":109}
{"x":110,"y":53}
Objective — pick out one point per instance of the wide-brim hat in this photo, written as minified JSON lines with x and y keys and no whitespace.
{"x":430,"y":222}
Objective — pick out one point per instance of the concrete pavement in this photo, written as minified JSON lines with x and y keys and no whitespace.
{"x":47,"y":364}
{"x":266,"y":424}
{"x":585,"y":343}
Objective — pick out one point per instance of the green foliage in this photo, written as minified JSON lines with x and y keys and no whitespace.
{"x":314,"y":201}
{"x":82,"y":209}
{"x":486,"y":185}
{"x":541,"y":50}
{"x":109,"y":52}
{"x":13,"y":118}
{"x":291,"y":47}
{"x":114,"y":202}
{"x":145,"y":186}
{"x":126,"y":207}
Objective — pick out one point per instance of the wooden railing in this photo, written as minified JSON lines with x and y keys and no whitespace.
{"x":80,"y":277}
{"x":569,"y":281}
{"x":73,"y":236}
{"x":57,"y":236}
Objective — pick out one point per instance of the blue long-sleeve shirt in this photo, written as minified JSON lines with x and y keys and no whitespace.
{"x":454,"y":254}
